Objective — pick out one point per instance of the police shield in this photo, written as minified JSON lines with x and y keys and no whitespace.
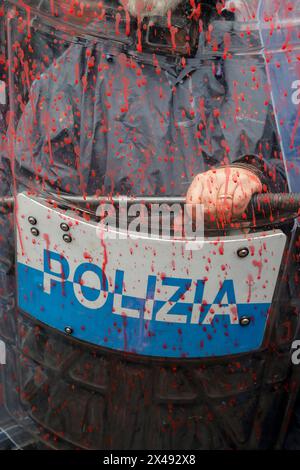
{"x":125,"y":305}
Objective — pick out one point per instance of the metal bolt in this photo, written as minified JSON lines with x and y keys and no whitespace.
{"x":67,"y":238}
{"x":243,"y":252}
{"x":34,"y":232}
{"x":245,"y":321}
{"x":65,"y":227}
{"x":32,"y":220}
{"x":68,"y":330}
{"x":109,"y":58}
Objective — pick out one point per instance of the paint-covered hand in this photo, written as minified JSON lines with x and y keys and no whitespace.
{"x":224,"y":192}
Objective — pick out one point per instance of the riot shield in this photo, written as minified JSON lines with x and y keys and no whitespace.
{"x":128,"y":323}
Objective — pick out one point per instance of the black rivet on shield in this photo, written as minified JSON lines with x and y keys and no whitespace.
{"x":68,"y":330}
{"x":34,"y":232}
{"x":32,"y":220}
{"x":245,"y":321}
{"x":65,"y":227}
{"x":109,"y":58}
{"x":67,"y":238}
{"x":243,"y":252}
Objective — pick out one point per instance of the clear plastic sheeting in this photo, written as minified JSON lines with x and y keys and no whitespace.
{"x":280,"y":26}
{"x":124,"y":305}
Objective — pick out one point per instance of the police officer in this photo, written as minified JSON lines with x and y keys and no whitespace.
{"x":110,"y":118}
{"x":3,"y":72}
{"x":225,"y":192}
